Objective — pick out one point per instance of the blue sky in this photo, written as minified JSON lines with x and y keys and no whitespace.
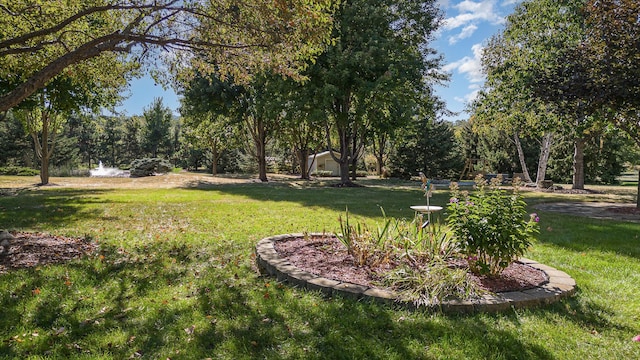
{"x":468,"y":24}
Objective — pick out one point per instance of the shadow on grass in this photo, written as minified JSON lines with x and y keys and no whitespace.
{"x":142,"y":302}
{"x":363,"y":201}
{"x":71,"y":308}
{"x":581,"y":234}
{"x":50,"y":208}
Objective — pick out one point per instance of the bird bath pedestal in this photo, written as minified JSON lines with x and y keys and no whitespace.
{"x":428,"y":209}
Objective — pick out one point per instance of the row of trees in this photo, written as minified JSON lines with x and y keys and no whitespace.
{"x":82,"y":140}
{"x":567,"y":70}
{"x":438,"y":149}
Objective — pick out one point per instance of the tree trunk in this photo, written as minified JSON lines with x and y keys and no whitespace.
{"x":378,"y":150}
{"x":303,"y":158}
{"x":578,"y":164}
{"x":523,"y":164}
{"x":543,"y":160}
{"x":261,"y":146}
{"x":638,"y":193}
{"x":214,"y":158}
{"x":44,"y":171}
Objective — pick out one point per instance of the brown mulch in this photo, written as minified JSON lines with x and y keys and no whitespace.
{"x":328,"y":257}
{"x":35,"y":249}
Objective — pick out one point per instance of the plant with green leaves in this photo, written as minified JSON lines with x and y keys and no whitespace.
{"x":367,"y":247}
{"x":490,"y":225}
{"x":431,"y":283}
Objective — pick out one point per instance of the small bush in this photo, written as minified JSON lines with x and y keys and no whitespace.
{"x":490,"y":225}
{"x":149,"y":167}
{"x":18,"y":170}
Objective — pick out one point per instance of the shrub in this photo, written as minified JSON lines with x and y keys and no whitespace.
{"x":18,"y":170}
{"x":490,"y":225}
{"x":149,"y":167}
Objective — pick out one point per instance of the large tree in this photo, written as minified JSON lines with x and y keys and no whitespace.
{"x":40,"y":40}
{"x":612,"y":51}
{"x":528,"y":65}
{"x":156,"y":133}
{"x":381,"y":46}
{"x":45,"y":113}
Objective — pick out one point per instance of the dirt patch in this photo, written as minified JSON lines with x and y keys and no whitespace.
{"x":35,"y":249}
{"x":328,"y":257}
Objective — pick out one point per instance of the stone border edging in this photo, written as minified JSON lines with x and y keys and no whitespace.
{"x":559,"y":285}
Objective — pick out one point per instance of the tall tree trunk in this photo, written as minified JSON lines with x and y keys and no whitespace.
{"x":214,"y":157}
{"x":523,"y":164}
{"x":44,"y":171}
{"x":344,"y":159}
{"x":344,"y":137}
{"x":638,"y":193}
{"x":262,"y":160}
{"x":543,"y":160}
{"x":578,"y":164}
{"x":379,"y":147}
{"x":303,"y":158}
{"x":44,"y":150}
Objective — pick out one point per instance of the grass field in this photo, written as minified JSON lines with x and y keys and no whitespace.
{"x":175,"y":277}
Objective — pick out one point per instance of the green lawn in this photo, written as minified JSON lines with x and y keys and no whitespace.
{"x":175,"y":278}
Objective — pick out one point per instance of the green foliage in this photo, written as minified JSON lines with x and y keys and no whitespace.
{"x":426,"y":146}
{"x":605,"y":157}
{"x":489,"y":225}
{"x":417,"y":256}
{"x":149,"y":167}
{"x":156,"y":133}
{"x":322,"y":173}
{"x":377,"y":74}
{"x":431,"y":284}
{"x":85,"y":39}
{"x":18,"y":170}
{"x":15,"y":147}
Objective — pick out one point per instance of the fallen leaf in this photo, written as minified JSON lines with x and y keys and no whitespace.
{"x":36,"y":291}
{"x":59,"y":331}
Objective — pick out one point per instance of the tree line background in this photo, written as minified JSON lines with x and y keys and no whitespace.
{"x":437,"y":148}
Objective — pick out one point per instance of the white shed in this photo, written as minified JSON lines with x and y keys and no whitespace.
{"x":324,"y":162}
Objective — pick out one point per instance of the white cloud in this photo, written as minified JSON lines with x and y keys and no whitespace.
{"x":468,"y":98}
{"x":470,"y":12}
{"x":465,"y":33}
{"x":471,"y":66}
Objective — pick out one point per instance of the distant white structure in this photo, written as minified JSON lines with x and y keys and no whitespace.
{"x":324,"y":162}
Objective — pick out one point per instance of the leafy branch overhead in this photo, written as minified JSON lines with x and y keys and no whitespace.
{"x":39,"y":41}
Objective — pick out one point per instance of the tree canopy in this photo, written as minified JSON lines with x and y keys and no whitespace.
{"x":42,"y":39}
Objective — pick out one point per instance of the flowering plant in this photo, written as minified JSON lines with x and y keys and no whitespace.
{"x":490,"y":225}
